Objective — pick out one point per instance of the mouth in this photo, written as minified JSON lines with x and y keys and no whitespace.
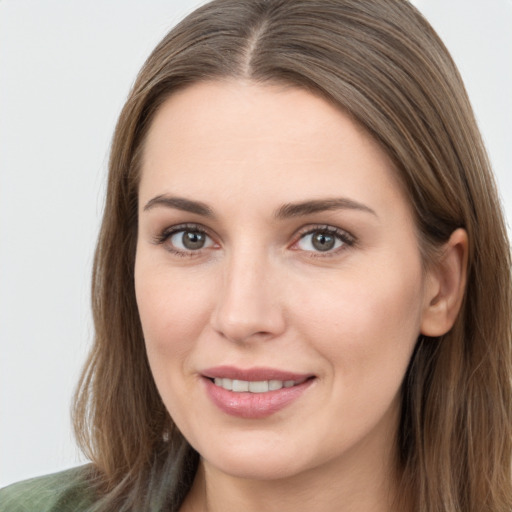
{"x":255,"y":386}
{"x":254,"y":393}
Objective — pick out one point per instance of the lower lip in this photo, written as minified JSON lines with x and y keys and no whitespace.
{"x":254,"y":405}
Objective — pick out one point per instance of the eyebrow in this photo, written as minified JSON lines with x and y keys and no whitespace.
{"x":286,"y":211}
{"x":320,"y":205}
{"x":180,"y":203}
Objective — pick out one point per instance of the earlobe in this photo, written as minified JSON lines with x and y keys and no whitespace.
{"x":445,"y":286}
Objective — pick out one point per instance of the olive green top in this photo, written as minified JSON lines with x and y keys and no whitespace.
{"x":61,"y":492}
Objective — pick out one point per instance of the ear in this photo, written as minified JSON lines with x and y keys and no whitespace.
{"x":445,"y":285}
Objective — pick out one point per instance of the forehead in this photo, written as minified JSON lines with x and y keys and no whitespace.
{"x":220,"y":138}
{"x":205,"y":113}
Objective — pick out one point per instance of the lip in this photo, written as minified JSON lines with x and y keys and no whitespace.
{"x":254,"y":405}
{"x":253,"y":374}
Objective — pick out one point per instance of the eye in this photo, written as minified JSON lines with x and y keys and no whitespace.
{"x":185,"y":240}
{"x":324,"y":240}
{"x":190,"y":240}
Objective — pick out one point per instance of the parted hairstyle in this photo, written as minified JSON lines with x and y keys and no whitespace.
{"x":382,"y":63}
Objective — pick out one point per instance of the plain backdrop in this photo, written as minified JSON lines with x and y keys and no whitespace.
{"x":66,"y":67}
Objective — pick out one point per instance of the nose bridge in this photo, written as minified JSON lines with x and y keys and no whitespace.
{"x":248,"y":305}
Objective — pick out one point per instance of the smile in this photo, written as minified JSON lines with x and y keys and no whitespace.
{"x":254,"y":393}
{"x":255,"y":386}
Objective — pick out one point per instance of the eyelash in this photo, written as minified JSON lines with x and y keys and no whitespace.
{"x":167,"y":233}
{"x":346,"y":239}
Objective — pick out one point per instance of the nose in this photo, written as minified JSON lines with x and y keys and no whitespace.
{"x":249,"y":305}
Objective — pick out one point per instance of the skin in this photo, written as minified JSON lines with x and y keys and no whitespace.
{"x":260,"y":294}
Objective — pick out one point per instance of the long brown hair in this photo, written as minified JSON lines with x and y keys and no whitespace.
{"x":380,"y":61}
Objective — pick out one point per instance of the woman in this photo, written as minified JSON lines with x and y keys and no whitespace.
{"x":302,"y":281}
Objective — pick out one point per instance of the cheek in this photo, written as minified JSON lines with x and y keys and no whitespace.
{"x":172,"y":311}
{"x":366,"y":328}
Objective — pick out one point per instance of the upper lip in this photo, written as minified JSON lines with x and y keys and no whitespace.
{"x":253,"y":374}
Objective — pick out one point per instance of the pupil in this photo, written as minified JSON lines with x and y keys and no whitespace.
{"x":193,"y":240}
{"x":323,"y":241}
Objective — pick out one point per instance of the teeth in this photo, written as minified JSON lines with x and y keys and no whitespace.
{"x":227,"y":384}
{"x":240,"y":385}
{"x":258,"y":386}
{"x":262,"y":386}
{"x":275,"y":384}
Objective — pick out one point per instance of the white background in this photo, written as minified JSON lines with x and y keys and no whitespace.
{"x":65,"y":69}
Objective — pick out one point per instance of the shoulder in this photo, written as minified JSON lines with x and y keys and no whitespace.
{"x":66,"y":491}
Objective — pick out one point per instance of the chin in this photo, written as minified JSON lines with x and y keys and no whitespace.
{"x":255,"y":468}
{"x":257,"y":460}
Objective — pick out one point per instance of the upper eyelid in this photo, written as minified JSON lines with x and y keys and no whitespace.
{"x":306,"y":230}
{"x":164,"y":234}
{"x":188,"y":226}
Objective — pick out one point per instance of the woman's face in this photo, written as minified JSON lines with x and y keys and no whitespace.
{"x":277,"y":255}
